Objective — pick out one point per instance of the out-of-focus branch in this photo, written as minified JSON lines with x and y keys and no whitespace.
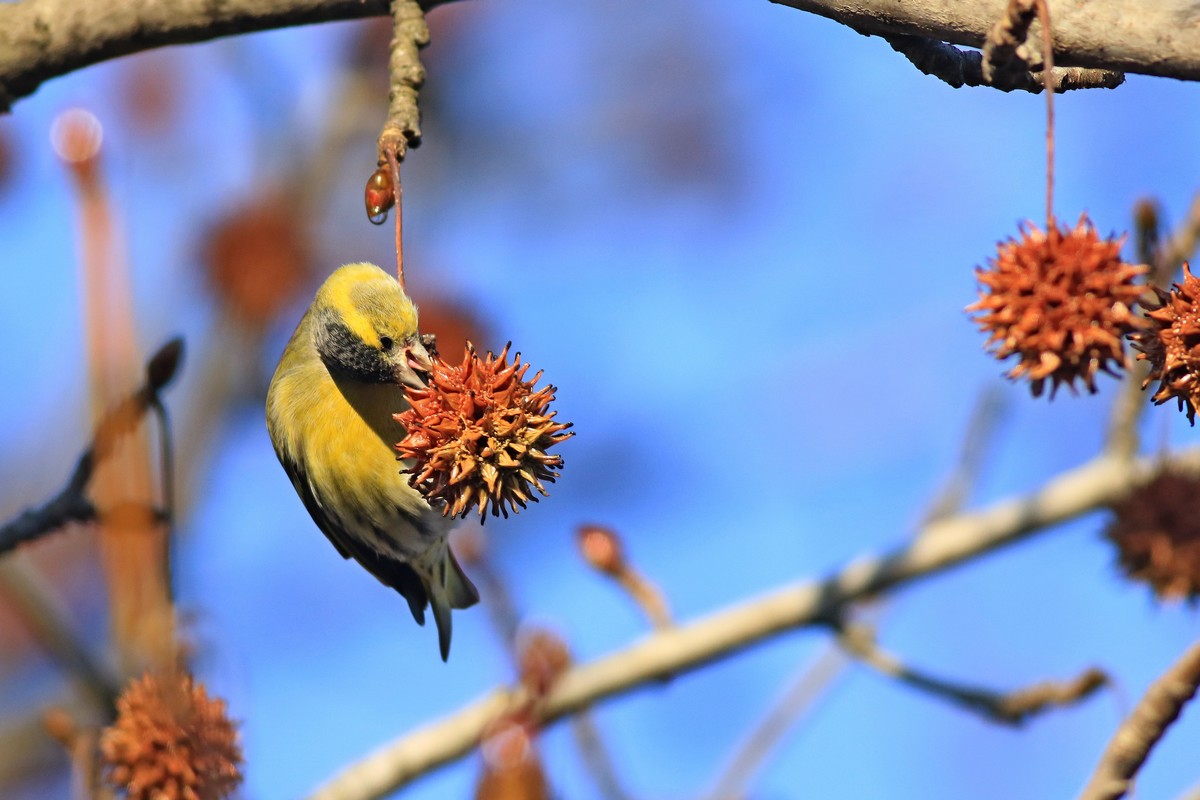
{"x":1122,"y":436}
{"x":1141,"y":730}
{"x":809,"y":684}
{"x":71,"y":504}
{"x":1007,"y":708}
{"x":813,"y":679}
{"x":690,"y":646}
{"x":498,"y":600}
{"x":40,"y":607}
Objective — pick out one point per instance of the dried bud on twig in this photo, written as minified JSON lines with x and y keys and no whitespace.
{"x":1157,"y":534}
{"x":171,"y":742}
{"x":1172,"y":344}
{"x":478,"y":435}
{"x":1061,"y":302}
{"x":602,"y":548}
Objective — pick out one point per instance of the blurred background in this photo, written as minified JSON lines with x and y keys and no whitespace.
{"x":738,"y":238}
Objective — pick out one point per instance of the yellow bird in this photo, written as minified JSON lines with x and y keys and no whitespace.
{"x":329,"y":413}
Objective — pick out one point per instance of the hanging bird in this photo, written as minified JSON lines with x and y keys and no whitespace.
{"x":330,"y":416}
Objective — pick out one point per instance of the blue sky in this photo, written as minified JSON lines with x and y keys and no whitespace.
{"x":738,"y":238}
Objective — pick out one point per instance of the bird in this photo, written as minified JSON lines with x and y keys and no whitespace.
{"x":330,"y":415}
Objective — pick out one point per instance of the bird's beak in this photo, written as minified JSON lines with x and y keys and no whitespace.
{"x":414,"y":367}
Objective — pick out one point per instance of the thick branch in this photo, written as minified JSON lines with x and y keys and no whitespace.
{"x":686,"y":647}
{"x":1138,"y":734}
{"x":42,"y":39}
{"x":1160,"y":38}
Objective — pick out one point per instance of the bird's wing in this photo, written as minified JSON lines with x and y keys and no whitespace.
{"x":391,"y":572}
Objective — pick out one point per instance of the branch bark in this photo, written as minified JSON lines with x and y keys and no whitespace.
{"x":43,"y":39}
{"x":1142,"y":730}
{"x":687,"y":647}
{"x":1160,"y":38}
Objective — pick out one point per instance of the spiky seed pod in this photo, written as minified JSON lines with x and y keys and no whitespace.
{"x":1171,"y":344}
{"x":1061,"y":302}
{"x":171,"y":742}
{"x":478,"y":435}
{"x":1157,"y":533}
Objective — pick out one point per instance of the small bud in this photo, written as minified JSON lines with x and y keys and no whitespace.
{"x":379,"y":195}
{"x":602,"y":548}
{"x":163,"y":365}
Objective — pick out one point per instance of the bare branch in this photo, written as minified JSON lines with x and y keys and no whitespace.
{"x":1141,"y":730}
{"x":687,"y":647}
{"x":809,"y":684}
{"x":1161,"y":38}
{"x":1006,"y":708}
{"x":43,"y":39}
{"x":1122,"y":435}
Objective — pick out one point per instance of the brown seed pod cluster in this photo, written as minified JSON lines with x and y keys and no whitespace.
{"x":1171,"y":344}
{"x":171,"y":741}
{"x":478,"y":435}
{"x":1157,"y":533}
{"x":1061,"y":302}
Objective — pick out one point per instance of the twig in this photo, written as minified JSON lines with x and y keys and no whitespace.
{"x":402,"y":129}
{"x":961,"y":68}
{"x":71,"y":504}
{"x":687,"y":647}
{"x":40,"y":607}
{"x":816,"y":677}
{"x":804,"y":689}
{"x":1008,"y":708}
{"x":986,"y":416}
{"x":507,"y":620}
{"x":1141,"y":730}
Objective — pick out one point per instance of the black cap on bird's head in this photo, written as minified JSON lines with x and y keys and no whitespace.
{"x":366,"y":328}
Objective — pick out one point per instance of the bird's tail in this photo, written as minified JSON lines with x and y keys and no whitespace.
{"x":449,"y":587}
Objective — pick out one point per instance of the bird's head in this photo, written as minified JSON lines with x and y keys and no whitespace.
{"x":366,"y":328}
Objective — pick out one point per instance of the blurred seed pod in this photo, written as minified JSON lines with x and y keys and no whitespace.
{"x":512,"y":769}
{"x":542,"y":657}
{"x":257,"y":259}
{"x":171,"y":741}
{"x":1156,"y":530}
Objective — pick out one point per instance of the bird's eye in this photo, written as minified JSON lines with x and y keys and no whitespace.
{"x":385,"y":343}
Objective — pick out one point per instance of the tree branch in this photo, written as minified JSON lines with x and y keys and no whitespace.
{"x":687,"y":647}
{"x":43,"y":39}
{"x":1161,"y":38}
{"x":1138,"y":734}
{"x":1006,"y":708}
